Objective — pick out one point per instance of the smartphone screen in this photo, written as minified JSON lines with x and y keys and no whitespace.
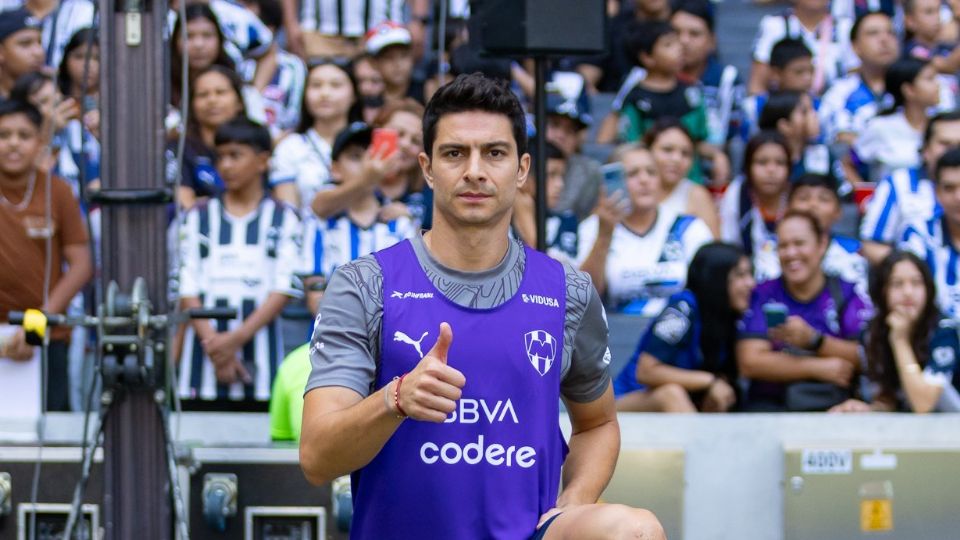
{"x":614,"y":178}
{"x":775,"y":314}
{"x":386,"y":139}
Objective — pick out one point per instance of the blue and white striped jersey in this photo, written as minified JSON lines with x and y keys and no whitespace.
{"x":846,"y":107}
{"x":931,"y":241}
{"x":284,"y":92}
{"x":843,"y":259}
{"x":244,"y":30}
{"x":906,"y":195}
{"x":333,"y":242}
{"x":236,"y":261}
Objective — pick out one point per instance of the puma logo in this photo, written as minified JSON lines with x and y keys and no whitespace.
{"x":403,"y":338}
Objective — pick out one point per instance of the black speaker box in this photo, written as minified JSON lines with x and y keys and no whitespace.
{"x":539,"y":27}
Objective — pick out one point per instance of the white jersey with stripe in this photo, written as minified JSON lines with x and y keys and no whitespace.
{"x":333,"y":242}
{"x":843,"y":259}
{"x":304,"y":159}
{"x":348,"y":18}
{"x":905,"y":195}
{"x":283,"y":94}
{"x":237,"y":261}
{"x":931,"y":242}
{"x":643,"y":270}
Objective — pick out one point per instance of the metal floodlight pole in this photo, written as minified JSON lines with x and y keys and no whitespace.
{"x":133,"y":91}
{"x":540,"y":142}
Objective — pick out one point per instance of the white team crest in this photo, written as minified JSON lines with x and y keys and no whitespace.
{"x":541,"y":350}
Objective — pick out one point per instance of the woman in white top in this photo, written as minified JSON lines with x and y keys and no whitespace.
{"x":637,"y":253}
{"x":673,"y":150}
{"x":301,"y":161}
{"x":892,"y":139}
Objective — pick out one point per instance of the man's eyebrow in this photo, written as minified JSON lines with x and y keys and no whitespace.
{"x":493,"y":144}
{"x":451,"y":146}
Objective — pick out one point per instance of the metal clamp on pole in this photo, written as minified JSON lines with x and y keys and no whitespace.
{"x":131,"y":196}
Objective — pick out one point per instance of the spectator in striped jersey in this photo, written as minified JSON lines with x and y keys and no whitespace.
{"x":907,"y":194}
{"x":937,"y":241}
{"x":358,"y":230}
{"x":239,"y":249}
{"x":334,"y":28}
{"x":278,"y":75}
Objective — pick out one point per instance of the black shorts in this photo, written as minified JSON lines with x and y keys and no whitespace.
{"x":542,"y":531}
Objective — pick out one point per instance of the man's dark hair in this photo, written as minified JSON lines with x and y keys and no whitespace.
{"x":10,"y":107}
{"x":949,"y":160}
{"x":855,"y":29}
{"x":642,"y":37}
{"x":474,"y":92}
{"x":242,"y":130}
{"x":701,"y":9}
{"x":787,"y":50}
{"x":948,"y":116}
{"x":825,"y":181}
{"x":779,"y":106}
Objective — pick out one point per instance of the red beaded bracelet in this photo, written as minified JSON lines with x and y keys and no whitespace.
{"x":396,"y":396}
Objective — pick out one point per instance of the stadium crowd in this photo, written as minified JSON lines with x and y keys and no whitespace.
{"x":715,"y":206}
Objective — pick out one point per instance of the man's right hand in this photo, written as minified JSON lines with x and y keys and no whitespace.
{"x":834,"y":370}
{"x":430,"y":392}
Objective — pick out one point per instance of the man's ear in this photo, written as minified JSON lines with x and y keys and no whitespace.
{"x":426,"y":167}
{"x":524,"y":170}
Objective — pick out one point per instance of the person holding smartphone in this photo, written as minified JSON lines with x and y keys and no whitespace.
{"x":635,"y":250}
{"x":801,"y":328}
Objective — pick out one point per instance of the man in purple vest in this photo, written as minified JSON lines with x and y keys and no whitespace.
{"x":439,"y":363}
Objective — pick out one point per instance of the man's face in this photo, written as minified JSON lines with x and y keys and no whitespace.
{"x":395,"y":64}
{"x":948,"y":193}
{"x":475,"y":171}
{"x":21,"y":53}
{"x":240,"y":165}
{"x":946,"y":135}
{"x":696,"y":40}
{"x":876,"y":42}
{"x":19,"y":144}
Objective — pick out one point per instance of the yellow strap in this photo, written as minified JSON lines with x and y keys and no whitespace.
{"x":35,"y":322}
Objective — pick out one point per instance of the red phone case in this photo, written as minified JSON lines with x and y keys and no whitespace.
{"x":384,"y":138}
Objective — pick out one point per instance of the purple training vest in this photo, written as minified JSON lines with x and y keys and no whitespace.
{"x":493,"y":467}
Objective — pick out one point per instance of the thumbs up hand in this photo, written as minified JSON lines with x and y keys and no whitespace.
{"x":430,"y":392}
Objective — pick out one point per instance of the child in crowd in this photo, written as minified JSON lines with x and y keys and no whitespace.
{"x":911,"y":348}
{"x":816,"y":194}
{"x":937,"y":241}
{"x":277,"y":75}
{"x":21,"y":51}
{"x":685,"y":360}
{"x":27,"y":194}
{"x":331,"y":242}
{"x":561,"y":227}
{"x":891,"y":140}
{"x":754,"y":203}
{"x":826,"y":36}
{"x":907,"y":194}
{"x":924,"y":25}
{"x":791,"y":70}
{"x":239,"y":249}
{"x":793,"y":116}
{"x":656,"y":47}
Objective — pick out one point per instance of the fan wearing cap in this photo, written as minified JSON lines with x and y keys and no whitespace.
{"x":358,"y":230}
{"x":21,"y":50}
{"x":566,"y":121}
{"x":390,"y":46}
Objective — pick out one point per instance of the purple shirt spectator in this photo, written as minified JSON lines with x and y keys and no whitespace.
{"x":838,"y":311}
